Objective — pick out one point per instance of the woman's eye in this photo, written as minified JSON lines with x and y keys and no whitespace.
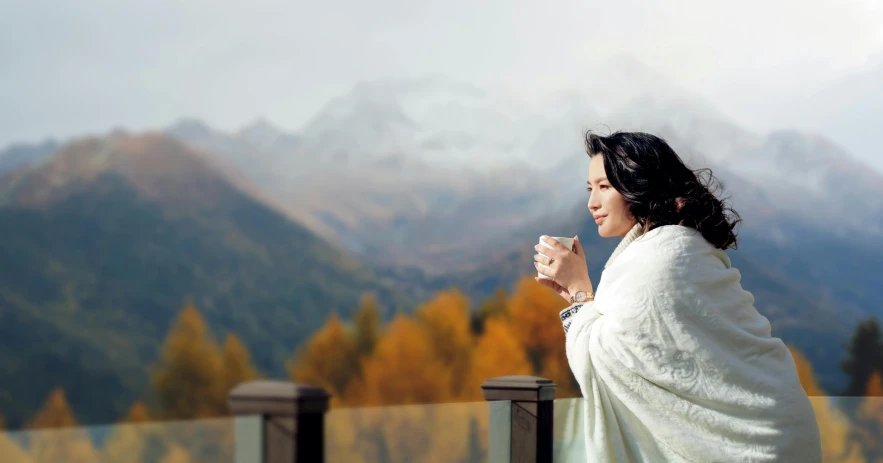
{"x":603,"y":186}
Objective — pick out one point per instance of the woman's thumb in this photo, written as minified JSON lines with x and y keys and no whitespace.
{"x":577,"y":246}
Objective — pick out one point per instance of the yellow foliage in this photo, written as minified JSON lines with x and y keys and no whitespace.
{"x":55,"y":412}
{"x":238,"y":367}
{"x":834,"y":426}
{"x":328,"y":360}
{"x":403,"y":369}
{"x":445,"y":319}
{"x":137,"y":414}
{"x":534,"y":310}
{"x":190,"y":381}
{"x":805,"y":373}
{"x":497,"y":353}
{"x":55,"y":436}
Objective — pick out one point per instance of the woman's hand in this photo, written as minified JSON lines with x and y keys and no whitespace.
{"x":568,"y":268}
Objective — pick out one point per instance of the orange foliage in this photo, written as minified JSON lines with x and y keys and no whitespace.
{"x":534,"y":314}
{"x":805,"y":373}
{"x":445,"y":319}
{"x":403,"y":369}
{"x":137,"y":414}
{"x":238,"y":367}
{"x":497,"y":353}
{"x":875,"y":385}
{"x":328,"y":360}
{"x":534,"y":310}
{"x":834,"y":426}
{"x":55,"y":412}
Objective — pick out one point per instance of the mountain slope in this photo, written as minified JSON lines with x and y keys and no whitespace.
{"x":19,"y":155}
{"x":103,"y":245}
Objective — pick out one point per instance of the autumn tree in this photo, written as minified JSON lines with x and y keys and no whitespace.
{"x":445,"y":323}
{"x":403,"y":369}
{"x":864,"y":354}
{"x":534,"y":313}
{"x":190,"y":381}
{"x":367,"y":325}
{"x":128,"y":440}
{"x":238,"y":366}
{"x":498,"y":352}
{"x":327,"y":360}
{"x":834,"y":427}
{"x":55,"y":435}
{"x":494,"y":306}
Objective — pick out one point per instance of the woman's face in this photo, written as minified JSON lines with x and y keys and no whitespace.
{"x":608,"y":207}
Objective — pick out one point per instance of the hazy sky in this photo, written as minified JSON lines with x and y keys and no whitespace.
{"x":86,"y":66}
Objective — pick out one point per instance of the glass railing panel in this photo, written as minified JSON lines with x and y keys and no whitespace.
{"x":450,"y":432}
{"x":194,"y":441}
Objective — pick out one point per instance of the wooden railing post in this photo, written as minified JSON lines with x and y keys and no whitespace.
{"x":291,"y":421}
{"x":526,"y":436}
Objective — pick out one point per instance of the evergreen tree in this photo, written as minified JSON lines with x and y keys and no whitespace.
{"x":865,"y":352}
{"x":494,"y":306}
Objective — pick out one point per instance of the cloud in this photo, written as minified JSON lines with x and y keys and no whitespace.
{"x":90,"y":65}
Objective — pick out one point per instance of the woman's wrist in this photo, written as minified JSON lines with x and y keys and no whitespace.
{"x":585,"y":285}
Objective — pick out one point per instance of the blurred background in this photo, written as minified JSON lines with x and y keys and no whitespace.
{"x":195,"y":194}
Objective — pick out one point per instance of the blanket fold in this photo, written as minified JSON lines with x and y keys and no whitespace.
{"x":676,"y":364}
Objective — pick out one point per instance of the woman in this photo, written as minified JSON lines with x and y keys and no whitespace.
{"x":674,"y":360}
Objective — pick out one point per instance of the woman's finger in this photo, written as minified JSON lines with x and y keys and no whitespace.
{"x":556,"y":245}
{"x":540,"y":249}
{"x":545,"y":260}
{"x":543,"y":270}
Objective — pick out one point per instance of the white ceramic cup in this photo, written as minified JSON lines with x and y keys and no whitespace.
{"x":567,"y":242}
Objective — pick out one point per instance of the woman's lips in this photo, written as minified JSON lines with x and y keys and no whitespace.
{"x":600,"y":219}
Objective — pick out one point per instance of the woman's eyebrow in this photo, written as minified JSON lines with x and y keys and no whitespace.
{"x":597,"y":180}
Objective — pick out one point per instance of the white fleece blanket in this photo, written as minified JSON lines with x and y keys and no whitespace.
{"x":676,"y":364}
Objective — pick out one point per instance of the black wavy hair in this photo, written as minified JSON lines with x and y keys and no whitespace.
{"x":660,"y":189}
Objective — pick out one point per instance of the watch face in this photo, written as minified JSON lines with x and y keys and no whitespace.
{"x":580,"y":296}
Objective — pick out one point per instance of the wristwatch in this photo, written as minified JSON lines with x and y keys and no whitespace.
{"x":582,"y":296}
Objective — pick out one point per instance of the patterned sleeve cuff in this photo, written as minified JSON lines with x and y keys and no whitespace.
{"x":567,"y":314}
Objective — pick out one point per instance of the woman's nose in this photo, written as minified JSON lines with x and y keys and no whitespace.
{"x":594,"y":202}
